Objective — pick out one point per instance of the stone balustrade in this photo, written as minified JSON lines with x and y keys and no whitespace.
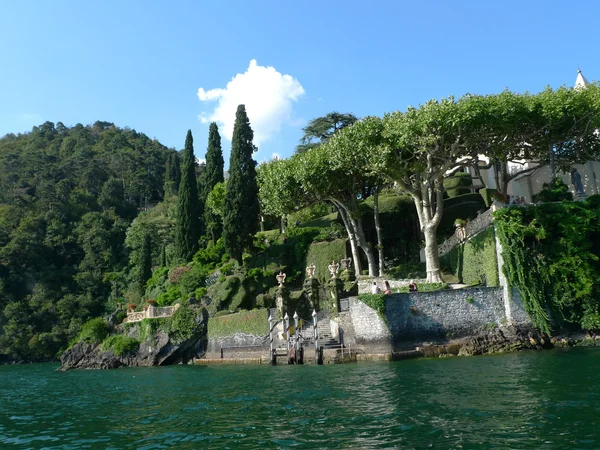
{"x":152,"y":312}
{"x":461,"y":234}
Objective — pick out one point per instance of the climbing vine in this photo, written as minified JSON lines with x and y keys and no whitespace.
{"x":550,"y":254}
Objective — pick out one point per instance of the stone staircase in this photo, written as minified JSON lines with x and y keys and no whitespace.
{"x":326,"y":340}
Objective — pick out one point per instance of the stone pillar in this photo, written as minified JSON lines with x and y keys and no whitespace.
{"x":311,"y":287}
{"x":282,"y":295}
{"x":334,"y":292}
{"x":335,"y":286}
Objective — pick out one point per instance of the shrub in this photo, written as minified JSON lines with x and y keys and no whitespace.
{"x":94,"y":331}
{"x":182,"y":324}
{"x":192,"y":280}
{"x":168,"y":298}
{"x":553,"y":191}
{"x":121,"y":315}
{"x":176,"y":274}
{"x":120,"y":345}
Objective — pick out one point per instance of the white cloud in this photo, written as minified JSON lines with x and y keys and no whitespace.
{"x":267,"y":94}
{"x":275,"y":156}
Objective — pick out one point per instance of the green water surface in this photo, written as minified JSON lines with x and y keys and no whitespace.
{"x":537,"y":400}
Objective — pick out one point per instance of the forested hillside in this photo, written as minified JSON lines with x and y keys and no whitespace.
{"x":67,"y":197}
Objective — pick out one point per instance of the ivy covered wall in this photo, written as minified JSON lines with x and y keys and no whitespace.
{"x":475,"y":261}
{"x":551,"y":255}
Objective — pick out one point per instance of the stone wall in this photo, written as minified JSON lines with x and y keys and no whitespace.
{"x":239,"y":345}
{"x":364,"y":283}
{"x":368,"y":331}
{"x":441,"y":316}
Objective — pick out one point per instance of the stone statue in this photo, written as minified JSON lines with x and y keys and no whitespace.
{"x":576,"y":182}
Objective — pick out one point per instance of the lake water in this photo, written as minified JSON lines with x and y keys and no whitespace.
{"x":537,"y":400}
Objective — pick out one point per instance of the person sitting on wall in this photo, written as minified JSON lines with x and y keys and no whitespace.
{"x":374,"y":288}
{"x":388,"y":289}
{"x":412,"y":287}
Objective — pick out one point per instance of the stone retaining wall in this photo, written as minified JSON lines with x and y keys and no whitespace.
{"x":440,"y":316}
{"x":365,"y":283}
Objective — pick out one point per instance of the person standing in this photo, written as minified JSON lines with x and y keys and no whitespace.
{"x":374,"y":288}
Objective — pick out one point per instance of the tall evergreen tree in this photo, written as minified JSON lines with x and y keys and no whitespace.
{"x":187,"y":232}
{"x":213,"y":174}
{"x":172,"y":174}
{"x":145,"y":263}
{"x":241,"y":207}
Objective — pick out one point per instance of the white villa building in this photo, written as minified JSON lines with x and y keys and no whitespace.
{"x":525,"y":186}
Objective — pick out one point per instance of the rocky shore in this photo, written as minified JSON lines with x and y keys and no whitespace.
{"x":160,"y":348}
{"x":506,"y":339}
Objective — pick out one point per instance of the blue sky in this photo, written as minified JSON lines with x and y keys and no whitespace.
{"x":141,"y":63}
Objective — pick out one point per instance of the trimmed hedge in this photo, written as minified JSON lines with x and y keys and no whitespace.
{"x":248,"y":322}
{"x":474,"y":262}
{"x":459,"y":184}
{"x":488,"y":195}
{"x":462,"y":207}
{"x":322,"y":253}
{"x":399,"y":224}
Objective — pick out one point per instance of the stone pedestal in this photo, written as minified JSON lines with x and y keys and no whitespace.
{"x":335,"y":286}
{"x":282,"y":297}
{"x":311,"y":287}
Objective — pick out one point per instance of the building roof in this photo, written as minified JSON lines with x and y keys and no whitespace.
{"x":581,"y":81}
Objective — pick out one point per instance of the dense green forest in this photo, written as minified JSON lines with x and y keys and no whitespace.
{"x":67,"y":198}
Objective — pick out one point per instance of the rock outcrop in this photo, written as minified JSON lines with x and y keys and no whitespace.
{"x":504,"y":339}
{"x":159,"y":349}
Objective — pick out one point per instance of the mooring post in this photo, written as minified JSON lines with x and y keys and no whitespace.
{"x":271,"y":339}
{"x":286,"y":319}
{"x":296,"y":335}
{"x":316,"y":335}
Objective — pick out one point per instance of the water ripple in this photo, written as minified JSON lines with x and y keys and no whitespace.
{"x":527,"y":400}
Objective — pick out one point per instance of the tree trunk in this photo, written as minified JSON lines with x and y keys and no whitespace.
{"x":429,"y":219}
{"x":362,"y":242}
{"x":283,"y":224}
{"x":353,"y":246}
{"x":432,"y":256}
{"x":262,"y":223}
{"x":378,"y":230}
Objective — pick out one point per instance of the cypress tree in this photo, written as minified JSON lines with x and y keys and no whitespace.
{"x":187,"y":228}
{"x":241,"y":207}
{"x":163,"y":256}
{"x":213,"y":174}
{"x":172,"y":174}
{"x":176,"y":171}
{"x":145,"y":263}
